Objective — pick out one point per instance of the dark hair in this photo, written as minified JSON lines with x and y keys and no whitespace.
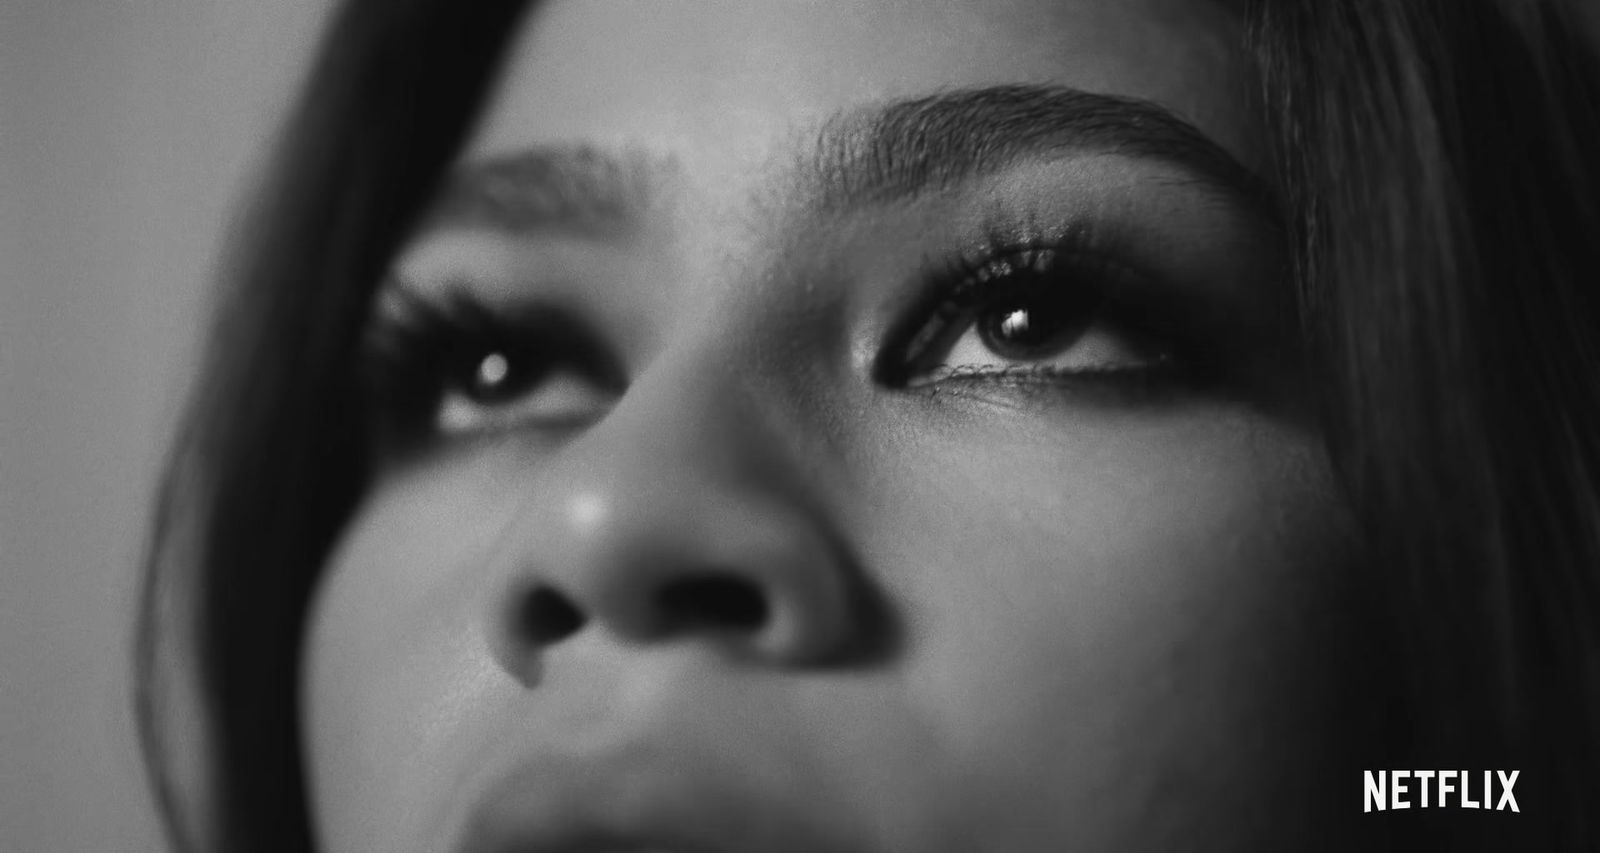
{"x":269,"y":463}
{"x":1437,"y":160}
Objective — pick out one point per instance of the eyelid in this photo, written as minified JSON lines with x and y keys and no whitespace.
{"x":416,"y":344}
{"x":518,"y":324}
{"x":560,"y":399}
{"x":970,"y":276}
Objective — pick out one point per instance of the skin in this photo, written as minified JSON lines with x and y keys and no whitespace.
{"x":1000,"y":616}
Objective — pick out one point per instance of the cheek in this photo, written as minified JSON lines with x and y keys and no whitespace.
{"x":1109,"y":634}
{"x":394,"y":664}
{"x":1119,"y":616}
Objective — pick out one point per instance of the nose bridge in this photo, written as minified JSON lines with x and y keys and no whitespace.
{"x":673,"y":468}
{"x":697,"y":420}
{"x":683,"y":511}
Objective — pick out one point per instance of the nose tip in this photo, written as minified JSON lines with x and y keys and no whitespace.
{"x":644,"y":558}
{"x":691,"y":512}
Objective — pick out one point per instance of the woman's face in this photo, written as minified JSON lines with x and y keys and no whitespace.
{"x":839,"y":427}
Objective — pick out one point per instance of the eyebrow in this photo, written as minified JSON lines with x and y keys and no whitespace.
{"x":578,"y":188}
{"x":904,"y":149}
{"x":877,"y":154}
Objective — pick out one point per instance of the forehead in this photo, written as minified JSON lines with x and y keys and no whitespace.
{"x":721,"y":82}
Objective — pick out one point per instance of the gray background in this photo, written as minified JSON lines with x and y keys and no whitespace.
{"x":128,"y":131}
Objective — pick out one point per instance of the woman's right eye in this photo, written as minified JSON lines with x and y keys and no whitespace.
{"x":453,"y":368}
{"x":503,"y":387}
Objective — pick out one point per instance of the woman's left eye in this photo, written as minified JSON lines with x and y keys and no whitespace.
{"x":1033,"y":314}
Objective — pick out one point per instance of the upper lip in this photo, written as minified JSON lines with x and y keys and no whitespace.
{"x":640,"y":800}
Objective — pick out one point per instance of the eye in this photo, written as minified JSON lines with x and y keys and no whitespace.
{"x":496,"y":378}
{"x":1029,"y":319}
{"x":500,"y":387}
{"x":454,"y":367}
{"x":1039,"y":313}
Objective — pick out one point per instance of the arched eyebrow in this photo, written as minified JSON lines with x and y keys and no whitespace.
{"x":877,"y":154}
{"x":575,"y":188}
{"x":901,"y":150}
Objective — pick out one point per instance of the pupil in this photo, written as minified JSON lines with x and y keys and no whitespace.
{"x":1015,"y":325}
{"x":492,"y":373}
{"x":1036,"y":325}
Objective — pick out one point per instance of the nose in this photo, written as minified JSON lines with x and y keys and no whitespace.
{"x":683,"y":514}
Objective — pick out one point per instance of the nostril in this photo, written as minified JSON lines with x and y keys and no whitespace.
{"x":712,"y":601}
{"x":548,"y":617}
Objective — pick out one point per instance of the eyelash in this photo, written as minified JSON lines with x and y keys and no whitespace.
{"x":418,"y":349}
{"x":999,"y":267}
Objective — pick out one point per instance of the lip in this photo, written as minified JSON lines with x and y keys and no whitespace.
{"x":643,"y":802}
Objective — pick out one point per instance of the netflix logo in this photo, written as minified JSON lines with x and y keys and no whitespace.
{"x":1432,"y":789}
